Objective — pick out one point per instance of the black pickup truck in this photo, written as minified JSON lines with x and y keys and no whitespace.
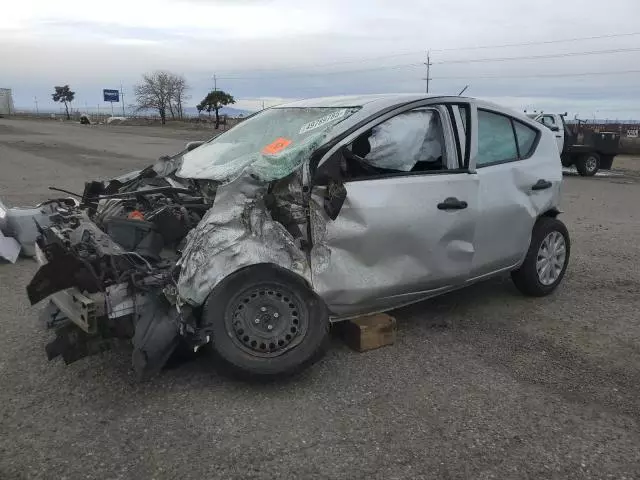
{"x":579,"y":145}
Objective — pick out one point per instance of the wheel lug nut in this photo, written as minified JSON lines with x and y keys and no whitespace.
{"x":269,"y":327}
{"x":276,"y":315}
{"x":257,"y":320}
{"x":263,"y":309}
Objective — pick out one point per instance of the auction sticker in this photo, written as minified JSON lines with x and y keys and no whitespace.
{"x":307,"y":127}
{"x":276,"y":146}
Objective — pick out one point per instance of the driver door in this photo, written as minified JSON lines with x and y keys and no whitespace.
{"x":556,"y":126}
{"x":400,"y":235}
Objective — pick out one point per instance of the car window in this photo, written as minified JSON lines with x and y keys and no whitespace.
{"x":496,"y":141}
{"x":270,"y":145}
{"x":464,"y":112}
{"x":410,"y":142}
{"x":526,"y":137}
{"x":548,"y":120}
{"x":460,"y":116}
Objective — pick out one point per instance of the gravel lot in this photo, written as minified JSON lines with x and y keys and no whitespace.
{"x":482,"y":383}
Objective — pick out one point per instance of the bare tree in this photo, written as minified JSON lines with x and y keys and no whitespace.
{"x":179,"y":94}
{"x":162,"y":91}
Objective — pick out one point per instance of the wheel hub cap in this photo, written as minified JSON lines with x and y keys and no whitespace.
{"x":591,"y":164}
{"x":266,"y":321}
{"x":551,"y":257}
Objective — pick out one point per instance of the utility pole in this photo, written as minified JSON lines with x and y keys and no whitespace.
{"x":428,"y":65}
{"x":215,"y":83}
{"x":122,"y":99}
{"x":35,"y":99}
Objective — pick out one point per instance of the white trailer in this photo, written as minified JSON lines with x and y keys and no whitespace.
{"x":6,"y":101}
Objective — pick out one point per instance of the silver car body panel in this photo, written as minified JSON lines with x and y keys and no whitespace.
{"x":508,"y":207}
{"x":391,"y":246}
{"x":385,"y":250}
{"x":236,"y":232}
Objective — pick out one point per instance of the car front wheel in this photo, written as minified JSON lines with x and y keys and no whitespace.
{"x":547,"y":259}
{"x":266,"y":322}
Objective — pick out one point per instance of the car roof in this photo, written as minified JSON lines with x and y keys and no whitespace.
{"x":356,"y":100}
{"x":370,"y":105}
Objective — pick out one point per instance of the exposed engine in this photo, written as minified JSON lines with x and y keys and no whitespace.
{"x":109,"y":265}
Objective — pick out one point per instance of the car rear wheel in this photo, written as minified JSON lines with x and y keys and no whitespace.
{"x":547,"y":259}
{"x":266,"y":322}
{"x":588,"y":164}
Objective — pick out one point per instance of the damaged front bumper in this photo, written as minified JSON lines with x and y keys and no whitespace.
{"x":91,"y":316}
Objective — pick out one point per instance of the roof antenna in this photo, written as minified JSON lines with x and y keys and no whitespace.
{"x":463,"y":90}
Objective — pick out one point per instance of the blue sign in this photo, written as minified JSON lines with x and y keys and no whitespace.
{"x":111,"y":95}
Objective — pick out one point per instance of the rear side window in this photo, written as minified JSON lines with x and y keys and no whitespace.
{"x":526,"y":137}
{"x":496,"y":140}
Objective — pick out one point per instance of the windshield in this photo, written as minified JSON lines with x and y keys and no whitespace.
{"x":269,"y":145}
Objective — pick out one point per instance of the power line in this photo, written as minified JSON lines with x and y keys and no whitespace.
{"x":538,"y":57}
{"x":541,"y":75}
{"x":453,"y":49}
{"x":477,"y":60}
{"x":544,"y":42}
{"x":334,"y":72}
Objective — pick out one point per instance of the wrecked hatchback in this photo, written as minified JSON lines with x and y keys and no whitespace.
{"x":303,"y":214}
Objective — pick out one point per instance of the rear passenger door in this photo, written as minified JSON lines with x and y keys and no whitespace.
{"x":519,"y":171}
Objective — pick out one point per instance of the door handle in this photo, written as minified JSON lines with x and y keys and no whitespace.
{"x":542,"y":185}
{"x":452,"y":203}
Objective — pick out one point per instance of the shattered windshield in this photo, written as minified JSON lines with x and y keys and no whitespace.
{"x":270,"y":145}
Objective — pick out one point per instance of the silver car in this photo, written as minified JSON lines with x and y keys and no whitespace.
{"x":302,"y":215}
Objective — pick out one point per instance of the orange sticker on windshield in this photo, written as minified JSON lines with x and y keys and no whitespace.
{"x":277,"y":146}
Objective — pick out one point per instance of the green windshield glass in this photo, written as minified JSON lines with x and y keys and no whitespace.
{"x":269,"y":145}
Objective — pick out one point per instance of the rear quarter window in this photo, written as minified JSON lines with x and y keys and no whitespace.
{"x":496,"y":141}
{"x":526,"y":138}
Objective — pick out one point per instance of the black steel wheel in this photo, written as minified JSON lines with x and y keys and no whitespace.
{"x":266,"y":322}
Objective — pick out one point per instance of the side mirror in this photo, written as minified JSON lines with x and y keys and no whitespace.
{"x":554,"y":128}
{"x":193,"y":145}
{"x":334,"y":198}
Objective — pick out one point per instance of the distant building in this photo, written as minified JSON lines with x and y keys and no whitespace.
{"x":6,"y":101}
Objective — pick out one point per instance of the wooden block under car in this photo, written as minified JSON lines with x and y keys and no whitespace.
{"x":369,"y":332}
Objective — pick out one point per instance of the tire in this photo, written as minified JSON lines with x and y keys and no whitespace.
{"x":526,"y":278}
{"x":588,"y":164}
{"x":266,"y":323}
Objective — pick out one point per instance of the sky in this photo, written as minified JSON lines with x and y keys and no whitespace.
{"x":581,"y":56}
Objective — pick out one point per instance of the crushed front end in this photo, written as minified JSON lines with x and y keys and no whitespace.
{"x":109,"y":267}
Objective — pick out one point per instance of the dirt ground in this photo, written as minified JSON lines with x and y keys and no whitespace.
{"x":483,"y":383}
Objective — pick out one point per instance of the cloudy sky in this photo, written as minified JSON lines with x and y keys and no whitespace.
{"x":580,"y":56}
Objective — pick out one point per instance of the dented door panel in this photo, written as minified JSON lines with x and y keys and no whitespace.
{"x":509,"y":206}
{"x":391,"y":244}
